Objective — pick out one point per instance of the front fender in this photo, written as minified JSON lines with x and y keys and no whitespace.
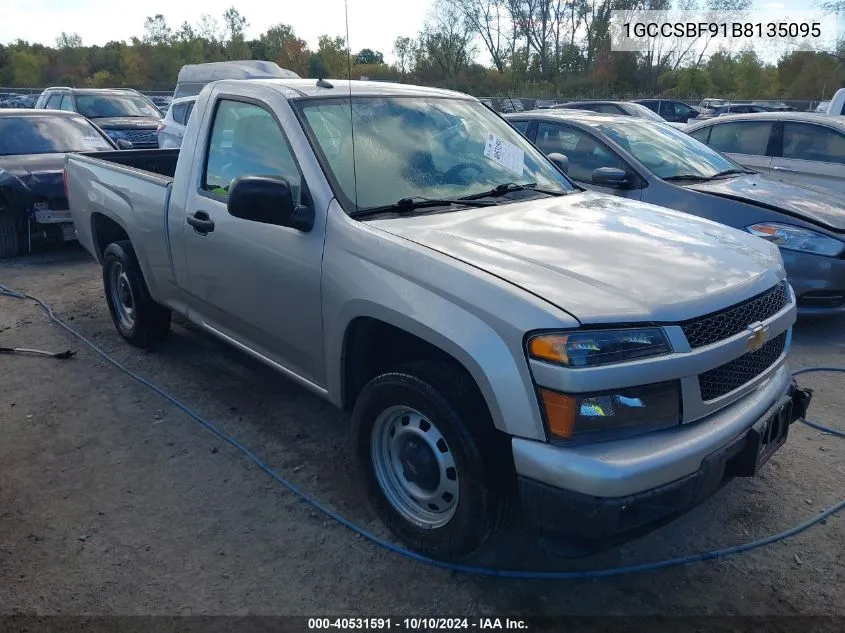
{"x":504,"y":381}
{"x":476,"y":318}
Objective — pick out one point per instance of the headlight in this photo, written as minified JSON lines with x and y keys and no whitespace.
{"x":647,"y":408}
{"x":598,"y":347}
{"x":795,"y":238}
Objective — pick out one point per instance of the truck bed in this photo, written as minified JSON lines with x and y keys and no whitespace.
{"x":127,"y":191}
{"x":155,"y":161}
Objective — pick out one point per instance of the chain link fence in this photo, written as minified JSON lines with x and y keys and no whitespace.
{"x":499,"y":103}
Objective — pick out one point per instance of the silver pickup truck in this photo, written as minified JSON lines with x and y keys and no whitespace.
{"x":496,"y":332}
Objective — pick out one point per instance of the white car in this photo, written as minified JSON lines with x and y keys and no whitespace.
{"x":172,"y":128}
{"x":801,"y":147}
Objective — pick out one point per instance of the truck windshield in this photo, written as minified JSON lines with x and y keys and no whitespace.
{"x":418,"y":147}
{"x":98,"y":106}
{"x":48,"y":135}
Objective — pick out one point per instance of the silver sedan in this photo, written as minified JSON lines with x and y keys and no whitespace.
{"x":637,"y":159}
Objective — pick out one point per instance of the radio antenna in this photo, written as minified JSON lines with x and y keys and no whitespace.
{"x":349,"y":83}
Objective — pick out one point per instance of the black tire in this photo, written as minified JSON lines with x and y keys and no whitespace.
{"x":150,"y":321}
{"x":450,"y":400}
{"x":10,"y":236}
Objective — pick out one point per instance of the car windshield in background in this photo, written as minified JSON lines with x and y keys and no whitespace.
{"x":96,"y":106}
{"x":667,"y":152}
{"x":644,"y":113}
{"x":48,"y":135}
{"x":412,"y":147}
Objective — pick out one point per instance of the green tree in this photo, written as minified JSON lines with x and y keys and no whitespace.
{"x":27,"y":68}
{"x":331,"y":58}
{"x":369,"y":56}
{"x":750,"y":80}
{"x":100,"y":79}
{"x":156,"y":30}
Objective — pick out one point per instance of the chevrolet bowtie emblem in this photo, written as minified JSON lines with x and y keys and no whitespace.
{"x":758,"y":337}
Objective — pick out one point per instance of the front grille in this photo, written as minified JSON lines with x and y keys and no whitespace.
{"x":142,"y":137}
{"x":724,"y":379}
{"x":721,"y":325}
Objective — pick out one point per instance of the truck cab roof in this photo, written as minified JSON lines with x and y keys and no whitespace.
{"x":343,"y":88}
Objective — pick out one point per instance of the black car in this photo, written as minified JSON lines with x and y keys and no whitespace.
{"x":33,"y":143}
{"x":671,"y":110}
{"x":127,"y":116}
{"x":733,"y":108}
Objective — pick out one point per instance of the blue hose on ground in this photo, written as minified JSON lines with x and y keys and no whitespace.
{"x":457,"y":567}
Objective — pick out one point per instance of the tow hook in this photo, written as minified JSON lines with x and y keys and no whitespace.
{"x":800,"y":403}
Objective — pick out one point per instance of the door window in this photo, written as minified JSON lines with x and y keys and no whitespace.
{"x":179,"y":112}
{"x":741,"y":137}
{"x":584,"y":152}
{"x":804,"y":141}
{"x":522,"y":126}
{"x":67,"y":103}
{"x":53,"y":102}
{"x":247,"y":141}
{"x":702,"y":134}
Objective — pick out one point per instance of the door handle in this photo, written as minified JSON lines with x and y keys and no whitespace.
{"x":201,"y":222}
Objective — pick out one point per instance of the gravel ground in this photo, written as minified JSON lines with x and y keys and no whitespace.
{"x":112,"y":501}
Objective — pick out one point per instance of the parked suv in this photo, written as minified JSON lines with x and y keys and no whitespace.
{"x":123,"y":114}
{"x":172,"y":128}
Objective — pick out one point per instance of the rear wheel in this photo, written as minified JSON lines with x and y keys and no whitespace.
{"x":432,"y":458}
{"x":10,"y":236}
{"x":138,"y":319}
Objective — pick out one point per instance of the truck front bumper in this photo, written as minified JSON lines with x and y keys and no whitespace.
{"x":601,"y":494}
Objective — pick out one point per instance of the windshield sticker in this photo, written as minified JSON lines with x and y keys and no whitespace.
{"x":506,"y":154}
{"x":92,"y":142}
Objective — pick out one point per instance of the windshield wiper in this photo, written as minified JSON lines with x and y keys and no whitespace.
{"x":412,"y":204}
{"x":696,"y":177}
{"x":508,"y":187}
{"x":731,"y":172}
{"x":686,"y":177}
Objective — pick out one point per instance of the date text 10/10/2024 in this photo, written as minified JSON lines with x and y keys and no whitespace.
{"x":417,"y":624}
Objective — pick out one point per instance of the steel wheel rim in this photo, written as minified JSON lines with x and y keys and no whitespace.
{"x":122,"y":298}
{"x":406,"y":450}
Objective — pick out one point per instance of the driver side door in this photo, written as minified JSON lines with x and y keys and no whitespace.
{"x":254,"y":283}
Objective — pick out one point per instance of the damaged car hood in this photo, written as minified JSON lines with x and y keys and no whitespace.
{"x":27,"y":179}
{"x":603,"y":259}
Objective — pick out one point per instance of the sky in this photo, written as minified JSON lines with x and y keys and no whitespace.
{"x":373,"y":24}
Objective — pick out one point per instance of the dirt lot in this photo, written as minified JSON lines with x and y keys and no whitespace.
{"x":112,"y":501}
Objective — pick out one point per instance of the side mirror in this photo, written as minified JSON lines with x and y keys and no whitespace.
{"x":610,"y":177}
{"x":267,"y":199}
{"x":123,"y":143}
{"x":560,"y":161}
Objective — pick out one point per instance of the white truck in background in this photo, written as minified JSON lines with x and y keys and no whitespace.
{"x":836,"y":107}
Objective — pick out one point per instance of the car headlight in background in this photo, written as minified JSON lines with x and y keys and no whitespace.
{"x":646,"y":408}
{"x":598,"y":347}
{"x":795,"y":238}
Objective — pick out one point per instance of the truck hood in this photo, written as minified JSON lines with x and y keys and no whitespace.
{"x":820,"y":206}
{"x":127,"y":123}
{"x":603,"y":259}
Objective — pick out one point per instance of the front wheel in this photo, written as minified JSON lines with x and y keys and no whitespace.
{"x":10,"y":236}
{"x":138,"y":319}
{"x":432,"y":459}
